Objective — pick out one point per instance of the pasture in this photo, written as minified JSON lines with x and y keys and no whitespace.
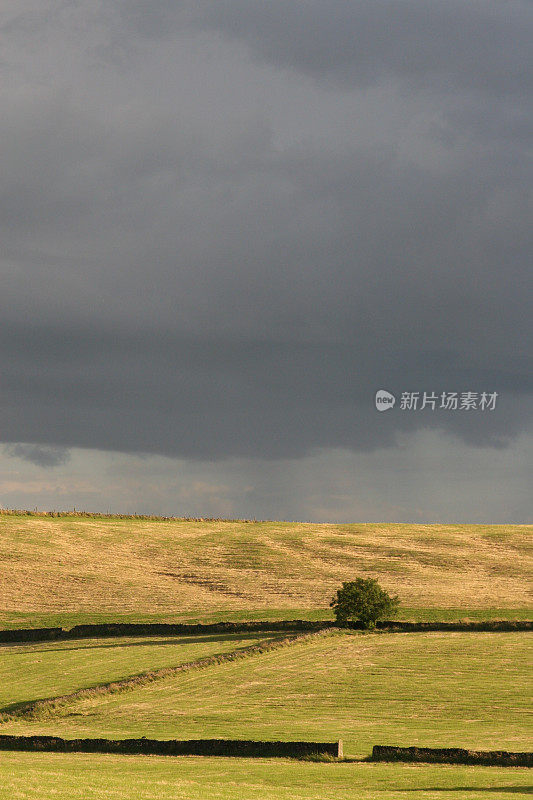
{"x":438,"y":689}
{"x":427,"y":689}
{"x":49,"y":776}
{"x":47,"y":669}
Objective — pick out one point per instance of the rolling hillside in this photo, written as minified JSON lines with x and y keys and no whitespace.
{"x":72,"y":568}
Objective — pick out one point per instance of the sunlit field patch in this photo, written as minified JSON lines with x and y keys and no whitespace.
{"x":48,"y":776}
{"x":427,"y":689}
{"x":85,"y":569}
{"x":39,"y":670}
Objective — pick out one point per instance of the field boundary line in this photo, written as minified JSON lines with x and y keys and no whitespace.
{"x":121,"y":629}
{"x":16,"y":512}
{"x":451,"y":755}
{"x":240,"y":748}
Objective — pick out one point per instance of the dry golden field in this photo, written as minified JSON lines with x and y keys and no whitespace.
{"x":75,"y":568}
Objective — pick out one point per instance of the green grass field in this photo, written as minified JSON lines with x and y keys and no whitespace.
{"x":429,"y":689}
{"x":48,"y":776}
{"x":47,"y":669}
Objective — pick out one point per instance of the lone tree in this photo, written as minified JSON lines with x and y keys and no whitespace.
{"x":363,"y":599}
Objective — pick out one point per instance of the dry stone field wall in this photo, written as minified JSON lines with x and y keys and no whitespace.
{"x":289,"y":626}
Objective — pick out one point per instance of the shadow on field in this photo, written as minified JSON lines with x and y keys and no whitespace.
{"x":220,"y":637}
{"x":496,"y":789}
{"x":20,"y":705}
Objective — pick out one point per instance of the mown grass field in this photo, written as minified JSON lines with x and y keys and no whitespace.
{"x":48,"y":776}
{"x":47,"y":669}
{"x":431,"y":689}
{"x":75,"y":569}
{"x":427,"y":689}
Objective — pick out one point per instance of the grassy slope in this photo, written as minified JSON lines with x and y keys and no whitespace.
{"x":51,"y":776}
{"x":36,"y":671}
{"x":437,"y":689}
{"x":71,"y":569}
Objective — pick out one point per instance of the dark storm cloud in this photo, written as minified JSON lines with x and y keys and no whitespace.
{"x":206,"y":256}
{"x":222,"y":398}
{"x":483,"y":45}
{"x":41,"y":456}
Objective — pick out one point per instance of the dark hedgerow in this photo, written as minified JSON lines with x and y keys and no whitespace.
{"x":363,"y":599}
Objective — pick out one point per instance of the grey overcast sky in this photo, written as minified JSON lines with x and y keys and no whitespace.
{"x":225,"y":225}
